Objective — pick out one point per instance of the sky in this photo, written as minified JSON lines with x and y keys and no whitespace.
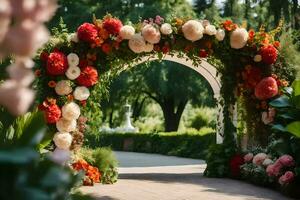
{"x":219,"y":2}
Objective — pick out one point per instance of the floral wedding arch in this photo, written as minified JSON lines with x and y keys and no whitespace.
{"x":237,"y":63}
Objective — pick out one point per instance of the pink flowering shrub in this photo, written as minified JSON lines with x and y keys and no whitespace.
{"x":287,"y":178}
{"x":259,"y":158}
{"x":287,"y":161}
{"x":248,"y":157}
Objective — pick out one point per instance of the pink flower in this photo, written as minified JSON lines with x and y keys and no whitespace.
{"x":287,"y":178}
{"x":268,"y":117}
{"x":286,"y":160}
{"x":259,"y":158}
{"x":273,"y":169}
{"x":248,"y":157}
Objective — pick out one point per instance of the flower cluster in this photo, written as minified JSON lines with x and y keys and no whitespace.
{"x":92,"y":174}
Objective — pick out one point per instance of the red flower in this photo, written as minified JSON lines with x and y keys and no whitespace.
{"x":266,"y":88}
{"x":106,"y":48}
{"x":88,"y":76}
{"x":112,"y":25}
{"x":87,"y":32}
{"x":52,"y":113}
{"x":156,"y":48}
{"x":203,"y":53}
{"x":57,"y":63}
{"x":165,"y":49}
{"x":235,"y":165}
{"x":251,"y":76}
{"x":44,"y":56}
{"x":268,"y":54}
{"x":83,"y":63}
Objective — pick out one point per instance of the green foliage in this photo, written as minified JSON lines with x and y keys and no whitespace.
{"x":193,"y":145}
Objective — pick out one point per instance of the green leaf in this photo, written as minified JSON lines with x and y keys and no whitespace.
{"x":288,"y":90}
{"x":296,"y":101}
{"x":281,"y":102}
{"x":294,"y":128}
{"x":287,"y":116}
{"x":279,"y":127}
{"x":19,"y":156}
{"x":296,"y":86}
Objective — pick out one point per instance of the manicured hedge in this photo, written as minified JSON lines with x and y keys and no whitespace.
{"x":175,"y":144}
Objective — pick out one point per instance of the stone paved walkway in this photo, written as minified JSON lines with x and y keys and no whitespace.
{"x":156,"y":177}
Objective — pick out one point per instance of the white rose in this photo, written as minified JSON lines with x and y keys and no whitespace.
{"x":71,"y":111}
{"x":62,"y":140}
{"x":166,"y":29}
{"x":193,"y":30}
{"x":267,"y":162}
{"x":205,"y":23}
{"x":63,"y":88}
{"x":151,"y":34}
{"x":220,"y":35}
{"x":127,"y":32}
{"x":148,"y":47}
{"x":73,"y":72}
{"x":73,"y":37}
{"x":137,"y":43}
{"x":257,"y":58}
{"x":73,"y":60}
{"x":238,"y":38}
{"x":65,"y":125}
{"x":210,"y":30}
{"x":81,"y":93}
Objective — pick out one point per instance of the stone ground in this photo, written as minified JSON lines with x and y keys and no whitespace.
{"x":157,"y":177}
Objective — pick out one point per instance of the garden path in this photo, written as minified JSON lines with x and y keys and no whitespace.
{"x":157,"y":177}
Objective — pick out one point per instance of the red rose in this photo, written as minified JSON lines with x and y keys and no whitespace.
{"x":57,"y":63}
{"x":112,"y":25}
{"x":203,"y":53}
{"x":165,"y":49}
{"x":87,"y":32}
{"x":235,"y":165}
{"x":268,"y":54}
{"x":266,"y":88}
{"x":52,"y":113}
{"x":106,"y":48}
{"x":88,"y":76}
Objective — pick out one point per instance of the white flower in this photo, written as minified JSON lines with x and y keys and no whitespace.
{"x":73,"y":72}
{"x":81,"y":93}
{"x":73,"y":60}
{"x":257,"y":58}
{"x":63,"y":88}
{"x":193,"y":30}
{"x":137,"y":43}
{"x":151,"y":34}
{"x":268,"y":117}
{"x":210,"y":30}
{"x":65,"y":125}
{"x":267,"y":162}
{"x":127,"y":32}
{"x":238,"y":38}
{"x":71,"y":111}
{"x":19,"y":72}
{"x":205,"y":23}
{"x":220,"y":35}
{"x":166,"y":29}
{"x":62,"y":140}
{"x":60,"y":156}
{"x":148,"y":47}
{"x":73,"y":37}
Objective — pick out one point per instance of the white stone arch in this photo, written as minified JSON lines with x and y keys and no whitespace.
{"x":206,"y":70}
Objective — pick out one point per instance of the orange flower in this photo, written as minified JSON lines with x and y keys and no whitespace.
{"x":38,"y":73}
{"x":284,"y":83}
{"x":51,"y":101}
{"x":103,"y":33}
{"x":251,"y":34}
{"x":178,"y":21}
{"x":52,"y":84}
{"x":276,"y":44}
{"x":229,"y":25}
{"x":70,"y":97}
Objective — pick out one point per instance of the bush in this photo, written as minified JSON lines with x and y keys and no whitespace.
{"x":192,"y":145}
{"x":105,"y":160}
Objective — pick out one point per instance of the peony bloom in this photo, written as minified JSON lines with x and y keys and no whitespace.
{"x":87,"y":32}
{"x":112,"y":25}
{"x":220,"y":35}
{"x":151,"y":34}
{"x":286,"y":161}
{"x":273,"y":169}
{"x":257,"y":58}
{"x":266,"y":88}
{"x":52,"y":113}
{"x":71,"y":111}
{"x":57,"y":63}
{"x":137,"y":43}
{"x":81,"y":93}
{"x":287,"y":178}
{"x":166,"y":29}
{"x":62,"y":140}
{"x":73,"y":72}
{"x":64,"y":125}
{"x":238,"y":38}
{"x":210,"y":30}
{"x":248,"y":157}
{"x":193,"y":30}
{"x":268,"y":54}
{"x":268,"y":117}
{"x":127,"y":32}
{"x":148,"y":47}
{"x":73,"y":60}
{"x":88,"y":76}
{"x":63,"y":88}
{"x":267,"y":162}
{"x":259,"y":158}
